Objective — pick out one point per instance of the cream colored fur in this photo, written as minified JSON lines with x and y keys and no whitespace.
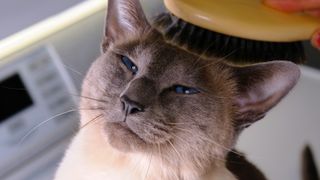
{"x":90,"y":157}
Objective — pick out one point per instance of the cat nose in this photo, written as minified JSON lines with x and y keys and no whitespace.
{"x":130,"y":106}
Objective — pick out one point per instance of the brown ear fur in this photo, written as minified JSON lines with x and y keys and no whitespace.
{"x":124,"y":17}
{"x":261,"y":87}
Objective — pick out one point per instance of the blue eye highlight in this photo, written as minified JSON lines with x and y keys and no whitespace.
{"x":185,"y":90}
{"x":129,"y":64}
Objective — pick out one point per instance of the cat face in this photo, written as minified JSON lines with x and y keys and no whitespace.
{"x":153,"y":95}
{"x":156,"y":93}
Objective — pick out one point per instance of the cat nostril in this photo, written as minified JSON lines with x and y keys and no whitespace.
{"x":129,"y":106}
{"x":134,"y":110}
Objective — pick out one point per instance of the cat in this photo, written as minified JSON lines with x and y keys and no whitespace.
{"x":151,"y":110}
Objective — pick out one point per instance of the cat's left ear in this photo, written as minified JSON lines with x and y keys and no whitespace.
{"x":124,"y":18}
{"x":261,"y":87}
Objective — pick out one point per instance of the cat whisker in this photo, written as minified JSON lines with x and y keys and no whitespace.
{"x":163,"y":158}
{"x":148,"y":166}
{"x":80,"y":75}
{"x":201,"y":137}
{"x":160,"y":155}
{"x":94,"y":84}
{"x":182,"y":123}
{"x":182,"y":140}
{"x":221,"y":97}
{"x":91,"y":108}
{"x":134,"y":169}
{"x":209,"y":140}
{"x":174,"y":148}
{"x":90,"y":98}
{"x":74,"y":71}
{"x":33,"y":129}
{"x":91,"y":121}
{"x":155,"y":46}
{"x":214,"y":61}
{"x":44,"y":122}
{"x":218,"y":97}
{"x":200,"y":57}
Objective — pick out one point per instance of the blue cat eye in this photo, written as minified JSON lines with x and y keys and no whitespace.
{"x":129,"y":64}
{"x":185,"y":90}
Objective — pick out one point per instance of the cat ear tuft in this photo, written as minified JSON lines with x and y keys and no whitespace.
{"x":261,"y":87}
{"x":124,"y":18}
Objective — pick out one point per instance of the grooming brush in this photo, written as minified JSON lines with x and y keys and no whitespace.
{"x":238,"y":30}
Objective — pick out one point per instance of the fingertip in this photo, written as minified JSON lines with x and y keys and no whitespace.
{"x":275,"y":4}
{"x":283,"y":5}
{"x":315,"y":13}
{"x":315,"y":39}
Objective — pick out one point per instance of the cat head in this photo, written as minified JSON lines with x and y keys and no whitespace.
{"x":152,"y":95}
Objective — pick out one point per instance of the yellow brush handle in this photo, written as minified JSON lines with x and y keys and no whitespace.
{"x":248,"y":19}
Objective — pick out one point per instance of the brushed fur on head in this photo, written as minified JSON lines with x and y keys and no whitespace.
{"x":181,"y":136}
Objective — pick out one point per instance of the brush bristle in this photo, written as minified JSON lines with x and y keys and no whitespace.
{"x":238,"y":50}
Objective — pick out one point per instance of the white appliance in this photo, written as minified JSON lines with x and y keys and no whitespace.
{"x":41,"y":70}
{"x":37,"y":108}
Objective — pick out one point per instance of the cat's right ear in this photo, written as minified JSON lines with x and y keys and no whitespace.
{"x":124,"y":18}
{"x":260,"y":87}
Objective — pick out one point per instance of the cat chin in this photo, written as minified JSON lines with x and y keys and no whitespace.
{"x":122,"y":138}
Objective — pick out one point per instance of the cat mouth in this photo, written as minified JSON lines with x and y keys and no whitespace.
{"x":139,"y":134}
{"x":124,"y":126}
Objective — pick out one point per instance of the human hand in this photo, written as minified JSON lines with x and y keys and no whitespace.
{"x":311,"y":7}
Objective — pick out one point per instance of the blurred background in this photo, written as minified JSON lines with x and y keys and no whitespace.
{"x":46,"y":48}
{"x":16,"y":15}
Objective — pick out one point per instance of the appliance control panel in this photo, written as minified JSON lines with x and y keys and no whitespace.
{"x":37,"y":107}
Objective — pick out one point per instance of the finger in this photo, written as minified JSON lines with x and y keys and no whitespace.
{"x":293,"y":5}
{"x":315,"y":13}
{"x":315,"y":39}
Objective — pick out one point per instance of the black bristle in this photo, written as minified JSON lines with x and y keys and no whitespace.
{"x":235,"y":49}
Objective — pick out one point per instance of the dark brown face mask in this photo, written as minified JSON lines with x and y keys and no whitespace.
{"x":153,"y":94}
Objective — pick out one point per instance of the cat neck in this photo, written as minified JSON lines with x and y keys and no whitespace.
{"x":154,"y":168}
{"x":136,"y":166}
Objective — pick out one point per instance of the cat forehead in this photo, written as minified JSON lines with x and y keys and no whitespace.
{"x":158,"y":56}
{"x":170,"y":66}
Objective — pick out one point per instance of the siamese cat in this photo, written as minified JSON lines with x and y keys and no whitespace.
{"x":154,"y":111}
